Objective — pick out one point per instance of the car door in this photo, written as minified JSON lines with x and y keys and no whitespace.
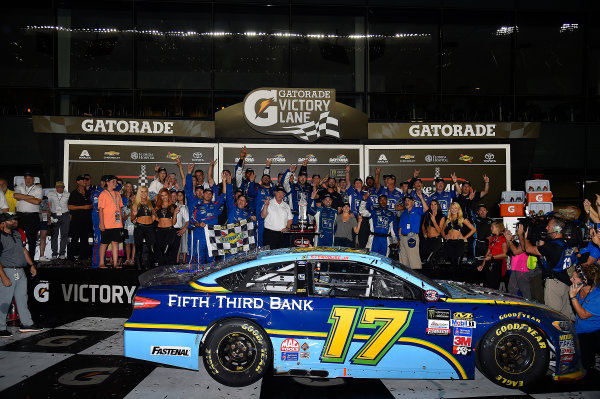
{"x":374,"y":324}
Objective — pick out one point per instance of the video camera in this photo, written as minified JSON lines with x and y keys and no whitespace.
{"x":575,"y":233}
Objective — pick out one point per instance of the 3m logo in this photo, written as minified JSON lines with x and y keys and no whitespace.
{"x":462,"y":341}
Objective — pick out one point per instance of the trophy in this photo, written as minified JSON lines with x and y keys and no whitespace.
{"x":302,"y":216}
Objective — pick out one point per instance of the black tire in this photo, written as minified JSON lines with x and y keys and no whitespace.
{"x":514,"y":354}
{"x":237,"y":352}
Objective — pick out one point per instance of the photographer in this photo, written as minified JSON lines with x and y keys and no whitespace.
{"x":556,"y":258}
{"x":585,"y":298}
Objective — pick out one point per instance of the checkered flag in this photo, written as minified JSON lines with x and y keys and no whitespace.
{"x":143,"y":179}
{"x":311,"y":131}
{"x":229,"y":239}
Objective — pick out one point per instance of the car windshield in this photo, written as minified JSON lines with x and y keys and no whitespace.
{"x":185,"y":274}
{"x":422,"y":277}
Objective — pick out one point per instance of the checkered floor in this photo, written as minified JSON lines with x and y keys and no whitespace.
{"x":84,"y":358}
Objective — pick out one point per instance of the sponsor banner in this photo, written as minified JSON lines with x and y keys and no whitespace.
{"x":463,"y":316}
{"x":461,"y":350}
{"x":463,"y":332}
{"x":302,"y":113}
{"x":462,"y":341}
{"x":469,"y":162}
{"x":438,"y":314}
{"x":454,"y":131}
{"x":132,"y":161}
{"x":325,"y":160}
{"x":110,"y":292}
{"x":445,"y":324}
{"x":123,"y":126}
{"x":438,"y":331}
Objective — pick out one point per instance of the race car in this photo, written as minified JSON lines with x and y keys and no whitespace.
{"x":342,"y":313}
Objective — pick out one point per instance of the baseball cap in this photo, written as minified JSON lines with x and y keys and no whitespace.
{"x":467,"y":182}
{"x":325,"y":196}
{"x":59,"y":184}
{"x":162,"y":170}
{"x":26,"y":174}
{"x":303,"y":173}
{"x":199,"y":186}
{"x":80,"y":177}
{"x":5,"y":217}
{"x":248,"y":170}
{"x":418,"y":179}
{"x":108,"y":178}
{"x":346,"y":203}
{"x":438,"y":179}
{"x":279,"y":188}
{"x":369,"y":177}
{"x":316,"y":175}
{"x":408,"y":197}
{"x":208,"y":189}
{"x":390,"y":176}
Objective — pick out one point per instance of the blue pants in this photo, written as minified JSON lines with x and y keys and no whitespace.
{"x":326,"y":239}
{"x":96,"y":248}
{"x":197,"y":249}
{"x":380,"y":245}
{"x":260,"y":228}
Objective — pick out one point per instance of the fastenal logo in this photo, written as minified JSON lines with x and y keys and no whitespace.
{"x":382,"y":159}
{"x":310,"y":157}
{"x":303,"y":113}
{"x":142,"y":156}
{"x":341,"y":158}
{"x":85,"y":155}
{"x":466,"y":158}
{"x":171,"y":351}
{"x":41,"y":291}
{"x":436,"y":158}
{"x":489,"y":158}
{"x":279,"y":158}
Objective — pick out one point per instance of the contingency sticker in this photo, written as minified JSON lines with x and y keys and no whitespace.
{"x":431,"y":295}
{"x":463,"y":323}
{"x":463,"y":332}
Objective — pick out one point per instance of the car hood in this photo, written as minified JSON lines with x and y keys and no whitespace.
{"x":460,"y":290}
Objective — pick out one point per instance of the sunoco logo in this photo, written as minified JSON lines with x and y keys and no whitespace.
{"x":279,"y":158}
{"x":303,"y":113}
{"x":171,"y":351}
{"x":341,"y":158}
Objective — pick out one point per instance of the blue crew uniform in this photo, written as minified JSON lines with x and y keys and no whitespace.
{"x":355,"y":197}
{"x":382,"y":223}
{"x":394,"y":197}
{"x":294,"y":191}
{"x":96,"y":224}
{"x":242,"y":183}
{"x":418,"y":203}
{"x":234,"y":213}
{"x":201,"y":212}
{"x":262,"y":194}
{"x":325,"y":222}
{"x":444,"y":199}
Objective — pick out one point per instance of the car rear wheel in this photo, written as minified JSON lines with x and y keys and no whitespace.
{"x":514,"y":354}
{"x":237,"y":352}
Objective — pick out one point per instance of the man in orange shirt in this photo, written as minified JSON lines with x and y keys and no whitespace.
{"x":110,"y":210}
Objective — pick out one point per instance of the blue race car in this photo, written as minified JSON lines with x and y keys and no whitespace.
{"x":334,"y":312}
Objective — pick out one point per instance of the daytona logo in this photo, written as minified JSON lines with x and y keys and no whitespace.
{"x":170,"y":351}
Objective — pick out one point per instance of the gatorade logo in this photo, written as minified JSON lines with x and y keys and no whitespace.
{"x":511,"y":209}
{"x":88,"y":376}
{"x":539,"y":198}
{"x":41,"y":293}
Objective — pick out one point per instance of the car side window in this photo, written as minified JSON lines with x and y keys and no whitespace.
{"x":271,"y":278}
{"x":354,"y":280}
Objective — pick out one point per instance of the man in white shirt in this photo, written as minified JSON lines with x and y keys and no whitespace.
{"x":29,"y":197}
{"x":58,"y":201}
{"x":278,"y":219}
{"x":3,"y":203}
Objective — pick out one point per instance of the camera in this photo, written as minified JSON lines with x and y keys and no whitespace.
{"x":575,"y":233}
{"x":536,"y":226}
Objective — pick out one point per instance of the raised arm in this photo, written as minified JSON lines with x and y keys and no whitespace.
{"x":211,"y":169}
{"x":486,"y":186}
{"x":239,"y":168}
{"x":181,"y":173}
{"x":377,"y":174}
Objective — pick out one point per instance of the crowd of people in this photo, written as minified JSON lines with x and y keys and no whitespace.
{"x":164,"y":224}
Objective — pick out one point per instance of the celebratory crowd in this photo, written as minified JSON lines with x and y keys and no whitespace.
{"x":164,"y":224}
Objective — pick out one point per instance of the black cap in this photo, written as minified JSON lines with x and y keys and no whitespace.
{"x":80,"y":177}
{"x":438,"y":179}
{"x":162,"y":170}
{"x":5,"y":217}
{"x":369,"y":177}
{"x":325,"y":196}
{"x":390,"y":176}
{"x":108,"y":178}
{"x":303,"y":173}
{"x":467,"y":182}
{"x":198,"y":186}
{"x":417,"y":179}
{"x":404,"y":182}
{"x":481,"y":205}
{"x":408,"y":197}
{"x":208,"y":189}
{"x":316,"y":174}
{"x":248,"y":170}
{"x":27,"y":174}
{"x":239,"y":190}
{"x":265,"y":174}
{"x":279,"y":188}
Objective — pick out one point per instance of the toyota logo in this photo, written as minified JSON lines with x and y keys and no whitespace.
{"x":489,"y":156}
{"x":197,"y":155}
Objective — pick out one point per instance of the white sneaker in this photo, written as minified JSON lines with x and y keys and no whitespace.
{"x":44,"y":259}
{"x":63,"y":257}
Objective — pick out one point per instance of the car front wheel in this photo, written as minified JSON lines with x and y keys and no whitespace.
{"x":237,"y":352}
{"x":514,"y":354}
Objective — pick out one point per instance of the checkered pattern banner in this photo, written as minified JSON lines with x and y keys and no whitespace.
{"x":229,"y":239}
{"x":311,"y":131}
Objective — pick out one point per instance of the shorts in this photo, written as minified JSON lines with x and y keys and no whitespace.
{"x":110,"y":235}
{"x":43,"y":225}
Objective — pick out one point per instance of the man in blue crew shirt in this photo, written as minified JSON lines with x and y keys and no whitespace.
{"x":324,"y":219}
{"x":295,"y":190}
{"x":394,"y":194}
{"x":381,"y":222}
{"x":444,"y":198}
{"x":408,"y":229}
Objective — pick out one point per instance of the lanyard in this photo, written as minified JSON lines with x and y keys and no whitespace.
{"x":28,"y":191}
{"x":114,"y":199}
